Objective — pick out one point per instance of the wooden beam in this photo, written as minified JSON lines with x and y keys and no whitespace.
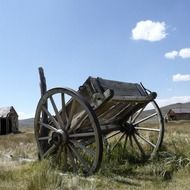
{"x":43,"y":86}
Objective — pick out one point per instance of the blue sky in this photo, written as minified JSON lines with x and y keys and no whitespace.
{"x":128,"y":40}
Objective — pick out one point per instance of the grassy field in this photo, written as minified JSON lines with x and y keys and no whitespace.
{"x":20,"y":169}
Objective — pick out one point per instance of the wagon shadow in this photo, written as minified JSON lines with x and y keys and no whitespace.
{"x":125,"y":169}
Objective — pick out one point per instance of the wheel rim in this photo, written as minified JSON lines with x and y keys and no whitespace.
{"x":142,"y":134}
{"x":67,"y":130}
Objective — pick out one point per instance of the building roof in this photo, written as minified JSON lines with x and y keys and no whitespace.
{"x":4,"y":111}
{"x":180,"y":110}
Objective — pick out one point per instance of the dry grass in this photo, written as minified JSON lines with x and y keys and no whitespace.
{"x":20,"y":170}
{"x":17,"y":146}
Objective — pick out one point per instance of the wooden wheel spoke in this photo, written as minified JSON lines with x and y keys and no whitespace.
{"x":113,"y":135}
{"x":56,"y":111}
{"x":72,"y":160}
{"x":125,"y":142}
{"x":43,"y":138}
{"x":51,"y":117}
{"x":144,"y":119}
{"x":63,"y":110}
{"x":65,"y":164}
{"x":118,"y":141}
{"x":48,"y":126}
{"x":79,"y":157}
{"x":71,"y":113}
{"x":139,"y":145}
{"x":89,"y":151}
{"x":59,"y":151}
{"x":147,"y":141}
{"x":49,"y":151}
{"x":130,"y":119}
{"x":80,"y":135}
{"x":137,"y":115}
{"x":147,"y":129}
{"x":130,"y":140}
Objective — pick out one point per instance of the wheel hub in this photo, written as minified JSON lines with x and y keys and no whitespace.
{"x":129,"y":128}
{"x":59,"y":137}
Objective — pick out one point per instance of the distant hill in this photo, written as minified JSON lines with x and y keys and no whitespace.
{"x":26,"y":122}
{"x":165,"y":109}
{"x":30,"y":122}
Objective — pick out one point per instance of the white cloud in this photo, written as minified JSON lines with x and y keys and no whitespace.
{"x":23,"y":115}
{"x":149,"y":30}
{"x":179,"y":77}
{"x":171,"y":54}
{"x":184,"y":53}
{"x":173,"y":100}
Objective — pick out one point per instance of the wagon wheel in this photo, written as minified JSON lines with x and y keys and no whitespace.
{"x":142,"y":134}
{"x":68,"y":132}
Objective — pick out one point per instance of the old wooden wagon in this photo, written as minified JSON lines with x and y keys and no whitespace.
{"x":70,"y":127}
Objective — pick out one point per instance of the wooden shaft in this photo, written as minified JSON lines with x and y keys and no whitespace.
{"x":43,"y":86}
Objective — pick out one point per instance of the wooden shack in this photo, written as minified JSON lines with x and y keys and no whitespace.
{"x":8,"y":120}
{"x":178,"y":114}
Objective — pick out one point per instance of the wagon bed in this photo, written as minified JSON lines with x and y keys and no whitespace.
{"x":72,"y":126}
{"x":114,"y":101}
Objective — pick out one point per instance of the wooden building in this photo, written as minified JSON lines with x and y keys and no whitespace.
{"x":8,"y":120}
{"x":178,"y":114}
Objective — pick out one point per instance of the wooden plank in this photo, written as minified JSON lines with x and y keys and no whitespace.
{"x":122,"y":88}
{"x":132,"y":98}
{"x":122,"y":91}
